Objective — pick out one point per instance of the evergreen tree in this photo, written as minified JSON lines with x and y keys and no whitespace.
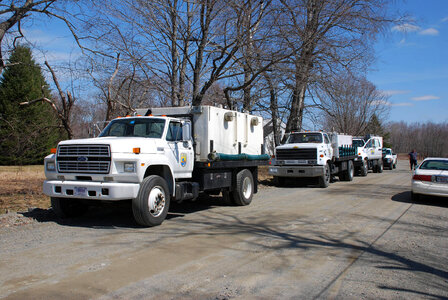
{"x":26,"y":132}
{"x":376,"y":128}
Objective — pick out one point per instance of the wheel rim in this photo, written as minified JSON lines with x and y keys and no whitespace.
{"x":156,"y":201}
{"x":247,"y":187}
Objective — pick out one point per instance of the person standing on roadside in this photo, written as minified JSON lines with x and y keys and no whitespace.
{"x":413,"y":159}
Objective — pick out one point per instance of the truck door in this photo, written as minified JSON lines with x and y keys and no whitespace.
{"x":328,"y":147}
{"x":180,"y":150}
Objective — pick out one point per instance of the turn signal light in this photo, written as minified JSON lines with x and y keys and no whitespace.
{"x":54,"y":150}
{"x":321,"y":155}
{"x":136,"y":150}
{"x":422,"y":177}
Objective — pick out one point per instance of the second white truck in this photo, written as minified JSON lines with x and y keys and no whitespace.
{"x":370,"y":154}
{"x":314,"y":154}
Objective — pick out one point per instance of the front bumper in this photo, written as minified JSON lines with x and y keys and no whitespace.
{"x":91,"y":190}
{"x":296,"y":171}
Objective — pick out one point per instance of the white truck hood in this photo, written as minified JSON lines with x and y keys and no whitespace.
{"x":299,"y":146}
{"x":120,"y":144}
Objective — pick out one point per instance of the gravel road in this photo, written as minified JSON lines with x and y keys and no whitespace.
{"x":354,"y":240}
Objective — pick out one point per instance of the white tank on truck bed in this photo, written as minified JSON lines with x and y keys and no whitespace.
{"x":218,"y":130}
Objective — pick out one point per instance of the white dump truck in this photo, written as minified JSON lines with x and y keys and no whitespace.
{"x":370,"y":154}
{"x":158,"y":156}
{"x":314,"y":154}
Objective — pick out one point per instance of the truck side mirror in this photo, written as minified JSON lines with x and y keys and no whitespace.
{"x":186,"y":131}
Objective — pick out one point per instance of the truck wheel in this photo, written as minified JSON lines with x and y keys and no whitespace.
{"x":380,"y":166}
{"x":153,"y":201}
{"x":391,"y":166}
{"x":350,"y":172}
{"x":364,"y":168}
{"x":324,"y":180}
{"x":67,"y":208}
{"x":394,"y":166}
{"x":244,"y":190}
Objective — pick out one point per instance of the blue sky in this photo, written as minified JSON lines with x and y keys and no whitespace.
{"x":412,"y":63}
{"x":411,"y":66}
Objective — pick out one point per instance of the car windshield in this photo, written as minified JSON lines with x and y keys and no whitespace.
{"x":135,"y":127}
{"x":358,"y":143}
{"x":304,"y":138}
{"x":434,"y":165}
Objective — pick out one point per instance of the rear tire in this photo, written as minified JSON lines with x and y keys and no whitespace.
{"x":364,"y":168}
{"x":349,"y":173}
{"x":68,"y":208}
{"x":245,"y":187}
{"x":324,"y":180}
{"x":152,"y":203}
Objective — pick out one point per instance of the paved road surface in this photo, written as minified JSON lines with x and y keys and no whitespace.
{"x":358,"y":240}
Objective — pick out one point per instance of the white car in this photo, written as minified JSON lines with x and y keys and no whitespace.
{"x":430,"y":178}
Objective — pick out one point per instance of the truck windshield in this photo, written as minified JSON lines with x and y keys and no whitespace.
{"x":387,"y":152}
{"x":135,"y":127}
{"x":304,"y":137}
{"x":358,"y":143}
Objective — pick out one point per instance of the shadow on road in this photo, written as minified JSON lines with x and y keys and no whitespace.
{"x":405,"y":197}
{"x":119,"y":214}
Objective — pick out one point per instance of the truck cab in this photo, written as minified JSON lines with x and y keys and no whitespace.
{"x":389,"y":158}
{"x":313,"y":154}
{"x":369,"y":154}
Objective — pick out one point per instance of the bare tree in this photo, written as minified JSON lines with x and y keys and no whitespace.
{"x":349,"y":103}
{"x":332,"y":33}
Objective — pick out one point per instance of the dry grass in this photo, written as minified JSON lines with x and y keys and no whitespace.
{"x":21,"y":188}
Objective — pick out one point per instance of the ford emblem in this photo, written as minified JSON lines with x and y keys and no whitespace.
{"x":82,"y":158}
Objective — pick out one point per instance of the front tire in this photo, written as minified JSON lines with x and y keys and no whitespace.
{"x":324,"y":180}
{"x":152,"y":203}
{"x":380,"y":166}
{"x":364,"y":168}
{"x":244,"y":191}
{"x":68,"y":208}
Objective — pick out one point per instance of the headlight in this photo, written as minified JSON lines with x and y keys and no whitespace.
{"x":129,"y":167}
{"x":51,"y":166}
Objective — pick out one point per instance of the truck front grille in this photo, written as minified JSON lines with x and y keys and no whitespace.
{"x":296,"y":154}
{"x":92,"y":159}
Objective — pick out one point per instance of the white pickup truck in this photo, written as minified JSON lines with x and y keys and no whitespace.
{"x":389,"y":159}
{"x":370,"y":154}
{"x":169,"y":154}
{"x":314,"y":154}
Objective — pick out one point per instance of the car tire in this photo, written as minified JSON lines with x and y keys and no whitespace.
{"x":152,"y":203}
{"x":245,"y":186}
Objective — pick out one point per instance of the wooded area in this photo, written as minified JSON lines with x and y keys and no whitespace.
{"x":301,"y":63}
